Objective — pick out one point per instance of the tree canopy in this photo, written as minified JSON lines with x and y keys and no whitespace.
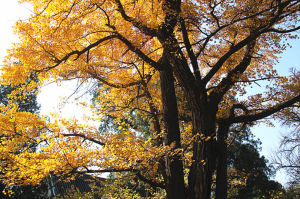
{"x":184,"y":66}
{"x":27,"y":104}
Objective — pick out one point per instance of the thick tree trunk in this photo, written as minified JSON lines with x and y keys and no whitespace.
{"x":221,"y":181}
{"x":173,"y":165}
{"x":203,"y":166}
{"x":200,"y":177}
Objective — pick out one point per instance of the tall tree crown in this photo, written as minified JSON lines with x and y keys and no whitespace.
{"x":151,"y":58}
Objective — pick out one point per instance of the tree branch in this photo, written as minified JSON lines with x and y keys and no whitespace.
{"x":217,"y":95}
{"x":190,"y":51}
{"x":263,"y":114}
{"x":84,"y":137}
{"x":224,"y":58}
{"x":284,"y":31}
{"x":255,"y":34}
{"x":76,"y":52}
{"x":138,"y":52}
{"x":101,"y":79}
{"x":143,"y":28}
{"x":172,"y":10}
{"x":105,"y":170}
{"x":150,"y":182}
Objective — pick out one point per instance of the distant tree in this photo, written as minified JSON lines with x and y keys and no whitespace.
{"x":249,"y":173}
{"x":287,"y":157}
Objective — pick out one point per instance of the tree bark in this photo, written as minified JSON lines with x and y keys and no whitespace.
{"x":174,"y":177}
{"x":203,"y":166}
{"x":221,"y":181}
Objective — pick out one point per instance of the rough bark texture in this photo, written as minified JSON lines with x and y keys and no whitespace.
{"x":173,"y":165}
{"x":200,"y":176}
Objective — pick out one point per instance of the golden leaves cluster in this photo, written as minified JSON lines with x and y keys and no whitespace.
{"x":88,"y":39}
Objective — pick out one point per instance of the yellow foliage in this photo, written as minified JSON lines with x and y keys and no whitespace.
{"x":121,"y":44}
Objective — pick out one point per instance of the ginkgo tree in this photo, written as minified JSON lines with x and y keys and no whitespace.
{"x":164,"y":60}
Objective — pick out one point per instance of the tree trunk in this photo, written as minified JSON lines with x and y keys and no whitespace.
{"x":203,"y":166}
{"x":221,"y":181}
{"x":173,"y":165}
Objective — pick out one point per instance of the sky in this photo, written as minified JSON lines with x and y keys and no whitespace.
{"x":50,"y":98}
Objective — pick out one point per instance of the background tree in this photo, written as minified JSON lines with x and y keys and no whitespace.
{"x":287,"y":156}
{"x":249,"y":173}
{"x":143,"y":52}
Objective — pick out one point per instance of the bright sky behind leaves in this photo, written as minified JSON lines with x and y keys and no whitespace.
{"x":11,"y":11}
